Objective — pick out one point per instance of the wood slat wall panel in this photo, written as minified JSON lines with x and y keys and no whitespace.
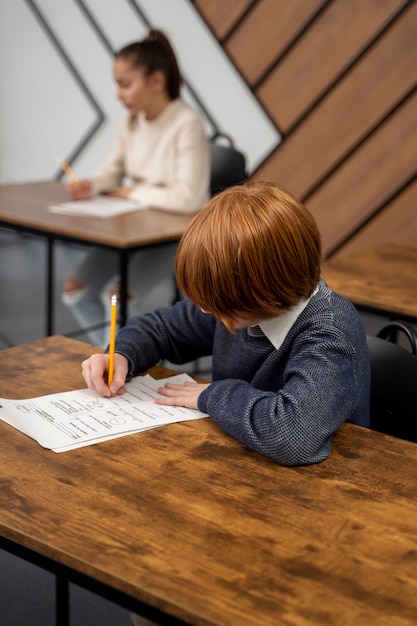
{"x":359,"y":101}
{"x":332,"y":43}
{"x":338,"y":79}
{"x":266,"y":32}
{"x":349,"y":112}
{"x":221,"y":15}
{"x":396,"y":223}
{"x":373,"y":174}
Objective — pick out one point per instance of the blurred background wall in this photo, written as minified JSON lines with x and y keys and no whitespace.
{"x":319,"y":94}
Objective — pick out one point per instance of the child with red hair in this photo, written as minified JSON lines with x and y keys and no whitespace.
{"x":290,"y":360}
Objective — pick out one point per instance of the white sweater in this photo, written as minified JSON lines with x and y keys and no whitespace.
{"x":167,"y":158}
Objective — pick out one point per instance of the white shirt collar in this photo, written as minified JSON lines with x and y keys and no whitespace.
{"x":278,"y":328}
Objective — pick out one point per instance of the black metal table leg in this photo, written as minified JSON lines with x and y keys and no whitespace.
{"x":61,"y":601}
{"x":123,"y":257}
{"x":50,"y":287}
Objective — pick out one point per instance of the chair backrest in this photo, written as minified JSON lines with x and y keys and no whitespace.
{"x":394,"y":382}
{"x":228,"y":164}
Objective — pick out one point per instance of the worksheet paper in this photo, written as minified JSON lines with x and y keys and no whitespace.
{"x":72,"y":419}
{"x":98,"y":206}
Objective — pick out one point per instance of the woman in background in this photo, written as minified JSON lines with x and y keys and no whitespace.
{"x":163,"y":150}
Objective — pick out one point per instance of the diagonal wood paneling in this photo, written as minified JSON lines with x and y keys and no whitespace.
{"x":338,"y":79}
{"x":222,"y":16}
{"x":397,"y":222}
{"x":336,"y":39}
{"x":260,"y":40}
{"x":356,"y":190}
{"x":362,"y":99}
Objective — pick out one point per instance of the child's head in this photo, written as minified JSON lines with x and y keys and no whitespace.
{"x":145,"y":66}
{"x":253,"y":252}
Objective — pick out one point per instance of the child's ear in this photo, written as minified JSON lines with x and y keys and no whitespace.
{"x":157,"y":81}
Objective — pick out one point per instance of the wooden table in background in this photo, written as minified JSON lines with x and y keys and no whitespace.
{"x":24,"y":208}
{"x":381,"y":280}
{"x":185,"y":525}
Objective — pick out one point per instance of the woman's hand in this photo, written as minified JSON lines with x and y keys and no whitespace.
{"x":95,"y":371}
{"x":185,"y":395}
{"x":79,"y":190}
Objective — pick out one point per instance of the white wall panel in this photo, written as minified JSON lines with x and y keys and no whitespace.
{"x":39,"y":99}
{"x":44,"y":111}
{"x":119,"y":21}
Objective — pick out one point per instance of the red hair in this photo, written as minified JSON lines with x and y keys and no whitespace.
{"x":253,"y":252}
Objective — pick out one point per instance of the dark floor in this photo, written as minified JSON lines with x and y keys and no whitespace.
{"x":27,"y":598}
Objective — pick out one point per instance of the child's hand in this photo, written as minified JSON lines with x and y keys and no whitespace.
{"x":79,"y":190}
{"x":181,"y":395}
{"x":95,"y":371}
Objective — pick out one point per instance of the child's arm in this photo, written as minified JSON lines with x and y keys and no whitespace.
{"x":319,"y":391}
{"x":179,"y":334}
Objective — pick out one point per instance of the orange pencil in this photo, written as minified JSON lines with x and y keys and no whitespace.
{"x":112,"y":342}
{"x":68,"y":171}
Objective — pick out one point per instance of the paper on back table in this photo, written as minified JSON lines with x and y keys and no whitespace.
{"x":98,"y":206}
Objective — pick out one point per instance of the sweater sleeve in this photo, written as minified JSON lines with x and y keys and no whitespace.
{"x":189,"y":188}
{"x":110,"y":175}
{"x":295,"y":424}
{"x":180,"y":333}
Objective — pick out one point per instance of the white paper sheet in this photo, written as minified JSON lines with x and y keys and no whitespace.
{"x":72,"y":419}
{"x":99,"y":206}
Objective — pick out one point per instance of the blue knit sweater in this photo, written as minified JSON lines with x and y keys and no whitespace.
{"x":284,"y":403}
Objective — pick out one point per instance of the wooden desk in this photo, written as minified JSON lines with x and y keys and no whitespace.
{"x":382,"y":280}
{"x":24,"y":208}
{"x":183,"y":522}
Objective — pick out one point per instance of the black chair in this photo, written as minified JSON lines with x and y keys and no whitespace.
{"x":394,"y":381}
{"x":228,"y":164}
{"x":228,"y":168}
